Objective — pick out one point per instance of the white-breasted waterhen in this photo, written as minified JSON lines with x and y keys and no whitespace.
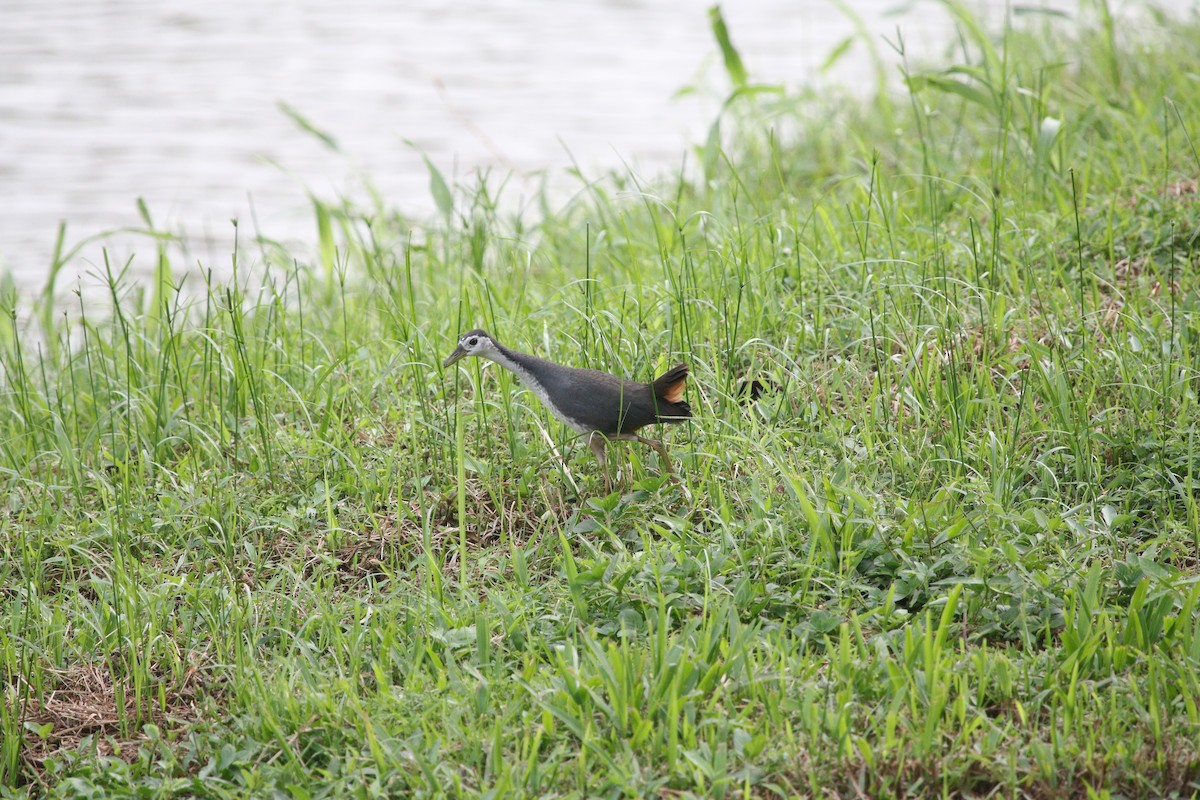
{"x":589,"y":401}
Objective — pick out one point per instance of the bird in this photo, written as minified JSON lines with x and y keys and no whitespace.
{"x":589,"y":401}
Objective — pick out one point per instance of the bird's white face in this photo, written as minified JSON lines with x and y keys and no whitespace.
{"x":473,"y":343}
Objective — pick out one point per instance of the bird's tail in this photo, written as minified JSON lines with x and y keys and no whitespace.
{"x":668,"y":390}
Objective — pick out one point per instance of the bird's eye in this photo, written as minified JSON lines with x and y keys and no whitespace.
{"x":472,"y":342}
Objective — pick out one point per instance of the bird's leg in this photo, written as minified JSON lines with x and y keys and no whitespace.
{"x":662,"y":451}
{"x":597,"y":442}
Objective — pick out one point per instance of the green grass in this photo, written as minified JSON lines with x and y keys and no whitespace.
{"x":256,"y":543}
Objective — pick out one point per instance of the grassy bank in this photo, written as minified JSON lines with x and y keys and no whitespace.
{"x":256,"y":543}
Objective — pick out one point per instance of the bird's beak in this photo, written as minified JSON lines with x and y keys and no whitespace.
{"x":455,"y":356}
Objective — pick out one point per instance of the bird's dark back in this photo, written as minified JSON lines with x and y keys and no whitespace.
{"x":598,"y":401}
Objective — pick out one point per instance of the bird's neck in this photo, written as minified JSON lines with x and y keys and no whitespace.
{"x":523,"y":366}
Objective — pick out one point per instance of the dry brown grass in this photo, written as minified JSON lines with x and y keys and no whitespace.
{"x":86,"y":701}
{"x":1183,"y":188}
{"x":377,"y":548}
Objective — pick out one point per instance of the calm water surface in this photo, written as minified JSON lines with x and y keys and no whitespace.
{"x":106,"y":101}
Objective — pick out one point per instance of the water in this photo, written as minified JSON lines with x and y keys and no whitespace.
{"x":106,"y":101}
